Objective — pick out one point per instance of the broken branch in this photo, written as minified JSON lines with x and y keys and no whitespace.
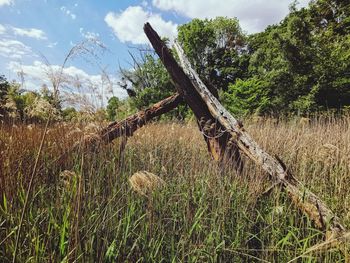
{"x":129,"y":125}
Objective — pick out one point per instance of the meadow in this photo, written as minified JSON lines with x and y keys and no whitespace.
{"x":80,"y":206}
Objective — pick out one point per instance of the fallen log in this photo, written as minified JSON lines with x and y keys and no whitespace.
{"x":128,"y":126}
{"x":191,"y":87}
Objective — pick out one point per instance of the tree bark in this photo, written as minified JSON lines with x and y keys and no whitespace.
{"x":214,"y":133}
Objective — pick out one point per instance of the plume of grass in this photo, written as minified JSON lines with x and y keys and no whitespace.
{"x":144,"y":183}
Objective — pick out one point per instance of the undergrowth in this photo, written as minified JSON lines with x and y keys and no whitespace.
{"x":81,"y":207}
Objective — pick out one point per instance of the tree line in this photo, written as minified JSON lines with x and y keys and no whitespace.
{"x":298,"y":66}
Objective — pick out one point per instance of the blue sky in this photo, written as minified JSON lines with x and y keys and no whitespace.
{"x":31,"y":29}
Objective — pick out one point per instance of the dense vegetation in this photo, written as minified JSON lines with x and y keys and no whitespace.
{"x":300,"y":66}
{"x":89,"y":213}
{"x":18,"y":105}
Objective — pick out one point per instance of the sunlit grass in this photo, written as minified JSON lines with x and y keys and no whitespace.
{"x":83,"y":208}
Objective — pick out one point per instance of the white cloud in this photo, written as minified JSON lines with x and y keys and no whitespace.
{"x":89,"y":35}
{"x":40,"y":71}
{"x":29,"y":32}
{"x":73,"y":78}
{"x":128,"y":25}
{"x":5,"y":2}
{"x":14,"y":49}
{"x":68,"y":12}
{"x":52,"y":45}
{"x":254,"y":15}
{"x":2,"y":29}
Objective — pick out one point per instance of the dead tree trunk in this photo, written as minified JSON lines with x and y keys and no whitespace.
{"x":216,"y":137}
{"x":204,"y":104}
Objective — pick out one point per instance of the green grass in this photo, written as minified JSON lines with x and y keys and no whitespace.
{"x":203,"y":214}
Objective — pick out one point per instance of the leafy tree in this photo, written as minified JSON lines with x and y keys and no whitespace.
{"x":297,"y":66}
{"x":50,"y":97}
{"x":15,"y":102}
{"x":112,"y":108}
{"x":69,"y":114}
{"x":42,"y":110}
{"x":303,"y":61}
{"x":247,"y":97}
{"x":217,"y":49}
{"x":151,"y":83}
{"x":4,"y":88}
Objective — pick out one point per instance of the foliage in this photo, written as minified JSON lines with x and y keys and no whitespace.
{"x":14,"y":101}
{"x":216,"y":48}
{"x":69,"y":114}
{"x":27,"y":106}
{"x":151,"y":83}
{"x":247,"y":97}
{"x":4,"y":87}
{"x":42,"y":110}
{"x":304,"y":61}
{"x":113,"y":108}
{"x":298,"y":66}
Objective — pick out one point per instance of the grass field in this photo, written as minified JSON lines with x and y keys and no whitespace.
{"x":89,"y":213}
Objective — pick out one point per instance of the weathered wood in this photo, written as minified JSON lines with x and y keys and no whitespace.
{"x":126,"y":128}
{"x":216,"y":138}
{"x":129,"y":125}
{"x":307,"y":201}
{"x":204,"y":104}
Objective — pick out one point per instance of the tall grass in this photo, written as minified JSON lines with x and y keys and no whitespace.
{"x":82,"y":208}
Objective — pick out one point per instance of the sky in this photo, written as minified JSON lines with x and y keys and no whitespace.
{"x":37,"y":35}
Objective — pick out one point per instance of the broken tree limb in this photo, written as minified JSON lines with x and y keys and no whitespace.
{"x":307,"y":201}
{"x":216,"y":138}
{"x":124,"y":128}
{"x":204,"y":104}
{"x":129,"y":125}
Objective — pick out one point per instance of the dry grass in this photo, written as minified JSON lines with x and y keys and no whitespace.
{"x":145,"y":183}
{"x":203,"y":213}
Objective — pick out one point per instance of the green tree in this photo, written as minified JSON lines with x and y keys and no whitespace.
{"x":15,"y":102}
{"x":112,"y":108}
{"x":4,"y":88}
{"x":69,"y":114}
{"x":247,"y":97}
{"x":217,"y":50}
{"x":303,"y":61}
{"x":50,"y":97}
{"x":151,"y":83}
{"x":299,"y":65}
